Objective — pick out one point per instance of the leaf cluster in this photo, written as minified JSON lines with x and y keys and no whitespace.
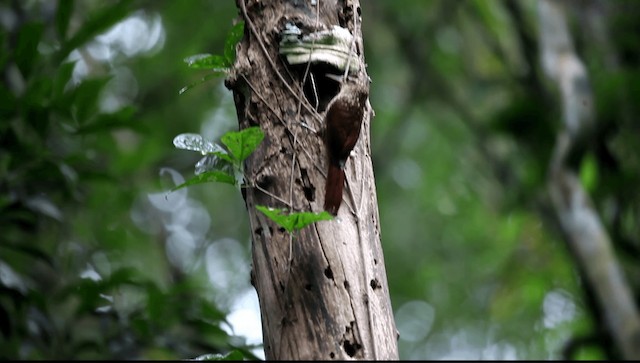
{"x":219,"y":65}
{"x":67,"y":288}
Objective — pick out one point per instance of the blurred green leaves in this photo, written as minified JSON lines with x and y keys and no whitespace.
{"x":26,"y":52}
{"x":97,"y":22}
{"x":79,"y":279}
{"x":63,"y":16}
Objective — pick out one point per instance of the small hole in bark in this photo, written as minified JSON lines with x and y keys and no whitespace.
{"x":309,"y":193}
{"x":308,"y":287}
{"x":265,"y":181}
{"x":258,"y":231}
{"x":346,"y":284}
{"x":328,"y":272}
{"x":252,"y":122}
{"x":375,"y":261}
{"x":332,"y":355}
{"x":351,"y":349}
{"x":281,"y":230}
{"x":375,"y":284}
{"x":307,"y":188}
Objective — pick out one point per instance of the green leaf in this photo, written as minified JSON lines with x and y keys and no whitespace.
{"x":208,"y":177}
{"x":27,"y":47}
{"x":207,"y":61}
{"x":63,"y":75}
{"x":7,"y":102}
{"x":110,"y":121}
{"x":242,"y":143}
{"x":293,"y":221}
{"x":33,"y":251}
{"x":223,"y":155}
{"x":85,"y":98}
{"x":156,"y":302}
{"x":589,"y":172}
{"x":97,"y":23}
{"x":91,"y":293}
{"x":4,"y":56}
{"x":124,"y":276}
{"x":216,"y":73}
{"x":63,"y":15}
{"x":234,"y":36}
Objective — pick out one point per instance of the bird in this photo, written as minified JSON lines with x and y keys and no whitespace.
{"x":343,"y":120}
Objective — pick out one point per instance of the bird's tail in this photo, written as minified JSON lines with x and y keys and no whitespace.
{"x":333,"y":189}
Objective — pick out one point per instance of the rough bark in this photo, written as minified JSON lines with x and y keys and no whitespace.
{"x":323,"y":292}
{"x":586,"y":235}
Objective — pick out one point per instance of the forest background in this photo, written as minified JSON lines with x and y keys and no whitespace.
{"x":99,"y":261}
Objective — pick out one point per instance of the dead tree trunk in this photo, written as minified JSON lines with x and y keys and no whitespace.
{"x":323,"y":291}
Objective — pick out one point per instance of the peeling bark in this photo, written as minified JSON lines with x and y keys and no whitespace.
{"x":323,"y":293}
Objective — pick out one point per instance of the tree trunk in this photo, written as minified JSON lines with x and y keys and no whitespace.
{"x":323,"y":291}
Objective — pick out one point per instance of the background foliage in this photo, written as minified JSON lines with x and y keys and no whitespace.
{"x":99,"y":261}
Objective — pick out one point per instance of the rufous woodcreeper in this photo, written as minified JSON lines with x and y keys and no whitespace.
{"x":343,"y":121}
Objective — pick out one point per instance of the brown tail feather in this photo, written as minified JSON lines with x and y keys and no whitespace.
{"x":333,"y":189}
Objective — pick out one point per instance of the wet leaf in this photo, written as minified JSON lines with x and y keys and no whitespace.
{"x":215,"y":161}
{"x":233,"y":355}
{"x":196,"y":142}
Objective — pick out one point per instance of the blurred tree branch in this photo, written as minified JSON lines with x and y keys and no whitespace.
{"x":586,"y":235}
